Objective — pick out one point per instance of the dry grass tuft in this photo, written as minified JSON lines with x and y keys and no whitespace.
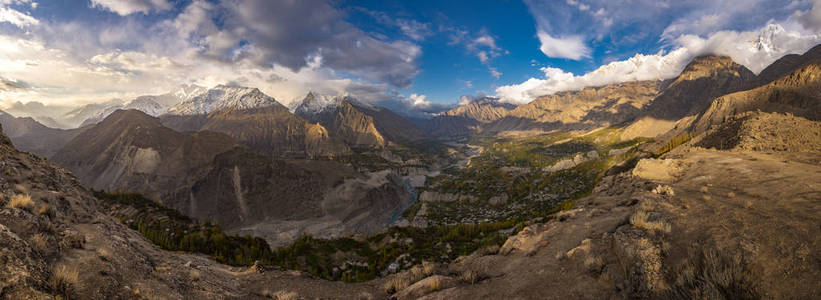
{"x":470,"y":277}
{"x":714,"y":274}
{"x":22,"y":201}
{"x":39,"y":242}
{"x":435,"y":284}
{"x":72,"y":240}
{"x":428,"y":268}
{"x":664,"y":190}
{"x":64,"y":281}
{"x":639,"y":219}
{"x":280,"y":295}
{"x":593,"y":264}
{"x":47,"y":210}
{"x":403,"y":280}
{"x":103,"y":254}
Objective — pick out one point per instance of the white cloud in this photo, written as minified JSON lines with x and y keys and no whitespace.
{"x":494,"y":72}
{"x":811,"y":20}
{"x":570,"y":47}
{"x":753,"y":49}
{"x":419,"y":100}
{"x":415,"y":30}
{"x":127,"y":7}
{"x":631,"y":24}
{"x":16,"y":18}
{"x":193,"y":48}
{"x":486,"y":40}
{"x":464,"y":100}
{"x":481,"y":44}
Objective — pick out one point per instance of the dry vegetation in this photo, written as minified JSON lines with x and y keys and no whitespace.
{"x":22,"y":201}
{"x":640,"y":220}
{"x":403,"y":280}
{"x":47,"y":210}
{"x":281,"y":295}
{"x":470,"y":277}
{"x":64,"y":280}
{"x":39,"y":242}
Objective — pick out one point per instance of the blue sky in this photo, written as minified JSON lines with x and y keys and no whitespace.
{"x":418,"y":55}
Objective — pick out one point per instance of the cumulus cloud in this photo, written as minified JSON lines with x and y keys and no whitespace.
{"x":639,"y":67}
{"x":690,"y":28}
{"x":15,"y":17}
{"x":127,"y":7}
{"x":570,"y":47}
{"x":753,"y":49}
{"x":285,"y":48}
{"x":419,"y":100}
{"x":619,"y":24}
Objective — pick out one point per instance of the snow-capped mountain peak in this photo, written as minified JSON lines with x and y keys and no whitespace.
{"x":187,"y":91}
{"x":223,"y":97}
{"x":315,"y":103}
{"x":766,"y":39}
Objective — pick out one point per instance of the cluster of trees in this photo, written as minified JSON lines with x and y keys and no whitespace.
{"x":324,"y":258}
{"x":675,"y":142}
{"x":171,"y":230}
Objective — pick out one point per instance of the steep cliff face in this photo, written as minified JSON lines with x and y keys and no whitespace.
{"x":704,"y":79}
{"x":787,"y":64}
{"x":590,"y":107}
{"x":130,"y":150}
{"x":358,"y":124}
{"x":798,"y":93}
{"x":354,"y":127}
{"x":274,"y":131}
{"x":690,"y":93}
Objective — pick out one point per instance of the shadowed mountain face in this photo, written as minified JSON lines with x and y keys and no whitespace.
{"x":30,"y":135}
{"x":704,"y":79}
{"x":788,"y":64}
{"x":130,"y":150}
{"x":274,"y":131}
{"x":798,"y":93}
{"x":210,"y":177}
{"x":359,"y":125}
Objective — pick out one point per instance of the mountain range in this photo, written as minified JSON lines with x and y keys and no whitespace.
{"x":674,"y":178}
